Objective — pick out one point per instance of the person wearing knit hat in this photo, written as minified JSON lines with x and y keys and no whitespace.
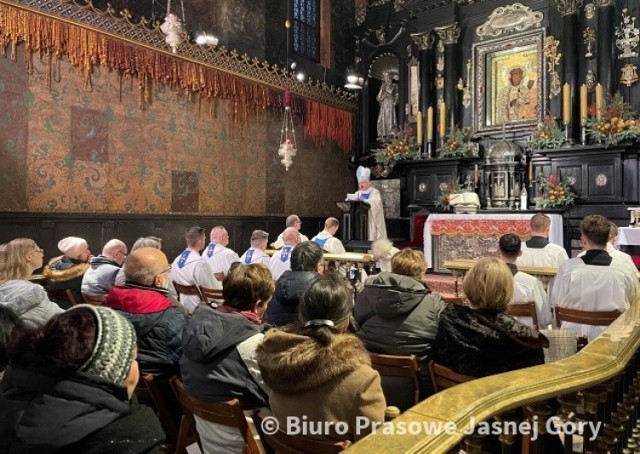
{"x":66,"y":271}
{"x":68,"y":387}
{"x":372,"y":197}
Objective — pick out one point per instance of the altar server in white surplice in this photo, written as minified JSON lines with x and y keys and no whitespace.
{"x":281,"y":260}
{"x":526,"y":288}
{"x":538,"y":251}
{"x":371,"y":196}
{"x":256,"y":254}
{"x":596,"y":281}
{"x":217,"y":254}
{"x":190,"y":268}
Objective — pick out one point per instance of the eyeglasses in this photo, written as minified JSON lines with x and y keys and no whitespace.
{"x":162,"y":272}
{"x":40,"y":251}
{"x":123,"y":254}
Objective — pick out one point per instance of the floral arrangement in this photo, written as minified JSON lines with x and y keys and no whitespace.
{"x":548,"y":134}
{"x":455,"y":145}
{"x":402,"y":145}
{"x":556,"y":193}
{"x":446,"y":189}
{"x":618,"y":122}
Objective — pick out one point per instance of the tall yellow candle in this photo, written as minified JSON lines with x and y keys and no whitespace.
{"x":583,"y":103}
{"x":430,"y":124}
{"x":566,"y":103}
{"x":443,"y":119}
{"x":599,"y":100}
{"x":419,"y":127}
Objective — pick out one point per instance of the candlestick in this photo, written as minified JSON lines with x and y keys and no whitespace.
{"x":443,"y":120}
{"x":475,"y":174}
{"x":430,"y":124}
{"x":583,"y":104}
{"x":530,"y":171}
{"x":599,"y":100}
{"x":419,"y":127}
{"x":566,"y":103}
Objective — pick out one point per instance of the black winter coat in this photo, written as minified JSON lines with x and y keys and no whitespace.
{"x":283,"y":308}
{"x":478,"y":342}
{"x":47,"y":411}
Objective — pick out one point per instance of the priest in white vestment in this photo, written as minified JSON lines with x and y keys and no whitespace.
{"x":371,"y":196}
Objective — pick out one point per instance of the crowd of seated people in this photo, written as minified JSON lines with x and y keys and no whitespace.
{"x":298,"y":345}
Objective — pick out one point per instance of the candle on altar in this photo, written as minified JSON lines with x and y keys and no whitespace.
{"x":583,"y":103}
{"x":419,"y":127}
{"x":429,"y":124}
{"x":475,"y":174}
{"x":599,"y":100}
{"x":443,"y":119}
{"x":530,"y":170}
{"x":566,"y":103}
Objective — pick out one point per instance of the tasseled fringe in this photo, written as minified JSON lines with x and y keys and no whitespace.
{"x":86,"y":48}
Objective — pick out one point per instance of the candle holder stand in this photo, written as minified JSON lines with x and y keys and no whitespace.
{"x":569,"y":142}
{"x":429,"y":151}
{"x":583,"y":135}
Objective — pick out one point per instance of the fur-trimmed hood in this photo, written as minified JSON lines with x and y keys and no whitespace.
{"x":292,"y":363}
{"x":62,"y":268}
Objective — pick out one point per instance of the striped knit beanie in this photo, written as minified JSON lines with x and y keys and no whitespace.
{"x":115,"y":345}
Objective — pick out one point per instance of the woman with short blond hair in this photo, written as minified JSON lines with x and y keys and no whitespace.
{"x":409,"y":262}
{"x":480,"y":339}
{"x":19,"y":258}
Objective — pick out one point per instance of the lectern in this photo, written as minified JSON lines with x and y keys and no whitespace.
{"x":355,"y":216}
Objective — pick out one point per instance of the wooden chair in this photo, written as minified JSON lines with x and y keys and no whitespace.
{"x":148,"y":390}
{"x":404,"y":368}
{"x":593,"y":318}
{"x":524,"y":310}
{"x":96,"y":300}
{"x":211,"y":294}
{"x":228,"y":413}
{"x":192,"y":289}
{"x":442,"y":377}
{"x":283,"y":443}
{"x":64,"y":295}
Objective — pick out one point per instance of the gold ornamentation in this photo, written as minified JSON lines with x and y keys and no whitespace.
{"x":629,"y":74}
{"x":507,"y":19}
{"x":589,"y":35}
{"x":568,"y":7}
{"x":423,"y":40}
{"x":589,"y":10}
{"x":449,"y":34}
{"x":553,"y":57}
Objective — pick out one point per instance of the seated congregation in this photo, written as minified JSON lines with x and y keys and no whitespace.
{"x":282,"y":337}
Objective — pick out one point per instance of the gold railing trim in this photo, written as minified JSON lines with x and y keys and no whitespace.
{"x":600,"y":360}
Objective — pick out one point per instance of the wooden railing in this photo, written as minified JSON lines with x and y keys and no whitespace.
{"x":598,"y":385}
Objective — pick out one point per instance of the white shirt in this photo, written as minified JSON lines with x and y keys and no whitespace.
{"x":255,"y":255}
{"x":219,"y":257}
{"x":376,"y":219}
{"x":527,"y":288}
{"x":594,"y":288}
{"x":279,"y":242}
{"x":551,"y":255}
{"x":332,"y":244}
{"x":190,"y":268}
{"x":280,"y":262}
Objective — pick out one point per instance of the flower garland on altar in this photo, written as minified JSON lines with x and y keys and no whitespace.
{"x":547,"y":135}
{"x":556,"y":193}
{"x":618,"y":122}
{"x":402,"y":145}
{"x":52,"y":38}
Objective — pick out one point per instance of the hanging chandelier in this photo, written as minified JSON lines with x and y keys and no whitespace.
{"x":173,"y":28}
{"x":288,"y":146}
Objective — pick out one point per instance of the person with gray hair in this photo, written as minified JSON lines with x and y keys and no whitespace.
{"x":103,"y":269}
{"x":143,"y":241}
{"x":281,"y":260}
{"x":326,"y":239}
{"x":306,"y":264}
{"x":292,"y":221}
{"x":256,"y":254}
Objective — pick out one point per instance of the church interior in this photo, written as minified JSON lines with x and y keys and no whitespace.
{"x":472,"y":115}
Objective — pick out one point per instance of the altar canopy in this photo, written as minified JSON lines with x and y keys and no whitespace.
{"x":469,"y":236}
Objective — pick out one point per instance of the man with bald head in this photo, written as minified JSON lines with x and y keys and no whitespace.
{"x":103,"y":269}
{"x":281,"y":260}
{"x":217,"y":254}
{"x":143,"y":301}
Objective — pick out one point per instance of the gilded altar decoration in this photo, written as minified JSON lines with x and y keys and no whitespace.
{"x":589,"y":37}
{"x":629,"y":74}
{"x":553,"y":57}
{"x":510,"y":18}
{"x":400,"y":146}
{"x":627,"y":36}
{"x":556,"y":193}
{"x":457,"y":144}
{"x":618,"y":122}
{"x":548,"y":135}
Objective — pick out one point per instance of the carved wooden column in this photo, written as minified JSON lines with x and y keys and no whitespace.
{"x":606,"y":55}
{"x":571,"y":36}
{"x":425,"y":41}
{"x":449,"y":35}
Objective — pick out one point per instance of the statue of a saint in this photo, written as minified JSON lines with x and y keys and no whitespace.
{"x":388,"y":98}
